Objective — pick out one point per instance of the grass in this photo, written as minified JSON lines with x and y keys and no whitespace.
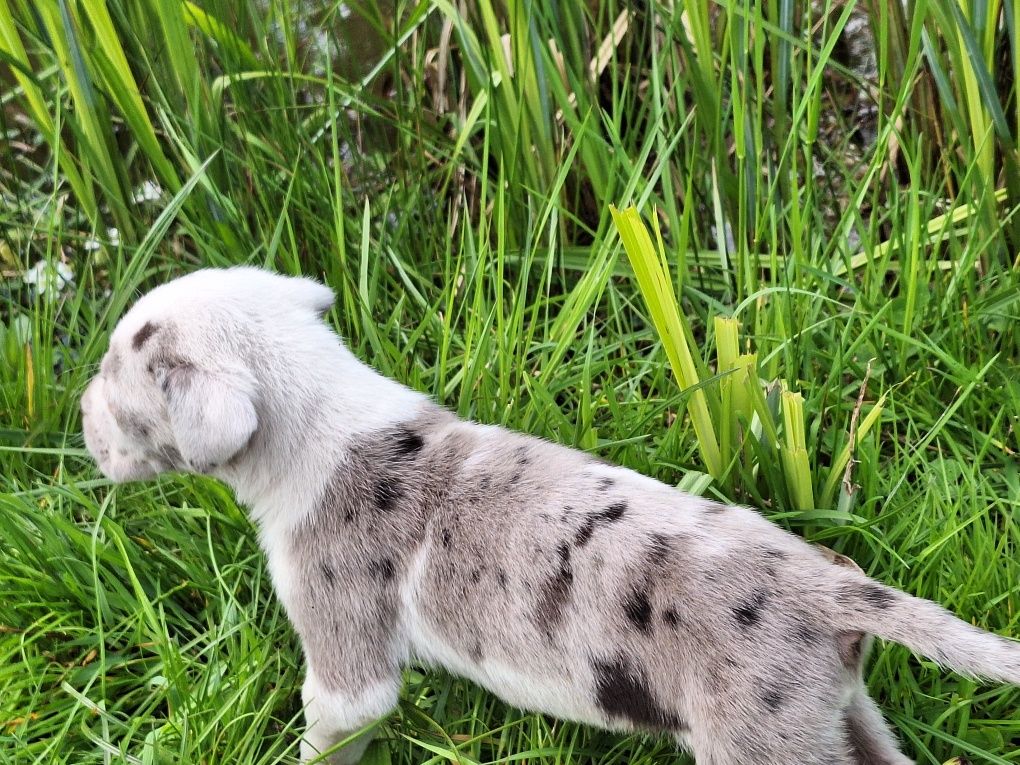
{"x":843,"y":314}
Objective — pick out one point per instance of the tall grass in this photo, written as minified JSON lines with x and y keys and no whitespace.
{"x":788,"y":313}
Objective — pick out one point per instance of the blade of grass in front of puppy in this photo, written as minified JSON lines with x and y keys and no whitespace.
{"x":841,"y":461}
{"x":656,"y":288}
{"x":794,"y":452}
{"x":727,"y":344}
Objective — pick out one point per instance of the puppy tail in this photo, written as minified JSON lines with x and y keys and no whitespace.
{"x":927,"y":629}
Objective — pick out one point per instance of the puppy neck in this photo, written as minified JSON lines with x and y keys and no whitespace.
{"x":313,"y":409}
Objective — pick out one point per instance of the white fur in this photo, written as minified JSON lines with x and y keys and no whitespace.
{"x":332,"y":717}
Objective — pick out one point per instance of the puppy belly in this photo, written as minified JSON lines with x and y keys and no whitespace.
{"x":528,"y":677}
{"x":541,"y":686}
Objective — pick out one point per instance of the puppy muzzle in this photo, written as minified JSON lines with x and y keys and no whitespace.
{"x":119,"y":458}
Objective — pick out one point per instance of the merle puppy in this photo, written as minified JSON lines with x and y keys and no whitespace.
{"x":396,"y":532}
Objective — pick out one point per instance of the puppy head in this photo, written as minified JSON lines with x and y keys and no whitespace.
{"x":179,"y":387}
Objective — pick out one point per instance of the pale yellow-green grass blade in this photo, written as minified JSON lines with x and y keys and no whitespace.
{"x":796,"y":467}
{"x":727,"y":344}
{"x":657,"y":290}
{"x":938,"y":229}
{"x":745,"y":381}
{"x":843,"y":458}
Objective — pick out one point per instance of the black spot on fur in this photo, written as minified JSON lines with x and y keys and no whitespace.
{"x":328,"y":574}
{"x":749,"y":614}
{"x":671,"y":618}
{"x":556,"y":591}
{"x":447,"y":537}
{"x":387,"y":492}
{"x":622,"y":692}
{"x":638,"y":610}
{"x":584,"y":533}
{"x":611,"y":514}
{"x":382,"y":569}
{"x":563,"y":551}
{"x":772,"y":699}
{"x":773,"y":554}
{"x":486,"y":482}
{"x":806,"y":635}
{"x":407,"y":442}
{"x":876,"y":595}
{"x":476,"y":575}
{"x":714,"y":508}
{"x":475,"y":652}
{"x":148,"y":330}
{"x":605,"y":483}
{"x":658,"y":549}
{"x":501,"y":579}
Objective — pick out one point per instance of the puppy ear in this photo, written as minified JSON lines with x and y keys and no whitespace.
{"x":318,"y":297}
{"x":212,"y":414}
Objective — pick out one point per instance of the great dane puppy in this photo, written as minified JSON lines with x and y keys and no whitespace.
{"x":397,"y":533}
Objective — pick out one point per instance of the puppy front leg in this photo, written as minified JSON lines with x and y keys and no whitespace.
{"x":335,"y":711}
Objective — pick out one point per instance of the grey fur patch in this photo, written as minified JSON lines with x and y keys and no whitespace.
{"x":850,"y":648}
{"x":349,"y":640}
{"x":328,"y":574}
{"x":382,"y":569}
{"x":112,"y":363}
{"x":556,"y":592}
{"x":130,"y":422}
{"x":806,"y":634}
{"x":875,"y":595}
